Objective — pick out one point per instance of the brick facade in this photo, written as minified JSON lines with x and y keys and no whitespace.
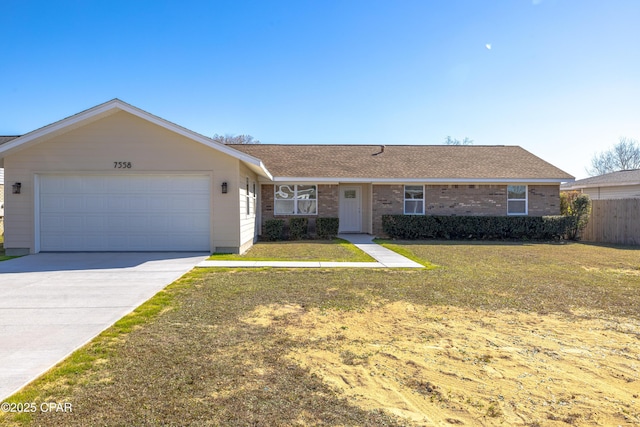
{"x":328,"y":204}
{"x":386,"y":200}
{"x":465,"y":200}
{"x":461,"y":200}
{"x":544,"y":200}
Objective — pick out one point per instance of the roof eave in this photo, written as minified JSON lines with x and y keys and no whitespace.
{"x":378,"y":180}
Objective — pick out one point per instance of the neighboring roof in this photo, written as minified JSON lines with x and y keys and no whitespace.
{"x":112,"y":107}
{"x":425,"y":163}
{"x":613,"y":179}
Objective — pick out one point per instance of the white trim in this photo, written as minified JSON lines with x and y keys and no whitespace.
{"x":115,"y":105}
{"x":382,"y":181}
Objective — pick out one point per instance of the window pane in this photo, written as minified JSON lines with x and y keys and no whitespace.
{"x":306,"y":207}
{"x":349,"y":194}
{"x":283,"y":207}
{"x":284,"y":192}
{"x":413,"y":206}
{"x":413,"y":192}
{"x":306,"y":192}
{"x":517,"y":192}
{"x":517,"y":207}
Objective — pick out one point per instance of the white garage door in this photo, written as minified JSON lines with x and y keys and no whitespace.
{"x":124,"y":213}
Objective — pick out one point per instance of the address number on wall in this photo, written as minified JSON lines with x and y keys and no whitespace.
{"x":122,"y":165}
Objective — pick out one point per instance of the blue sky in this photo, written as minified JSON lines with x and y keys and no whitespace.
{"x":561,"y":78}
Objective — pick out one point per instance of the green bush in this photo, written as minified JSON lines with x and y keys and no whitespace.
{"x":298,"y":228}
{"x":327,"y":228}
{"x":415,"y":227}
{"x":273,"y":229}
{"x":579,"y":211}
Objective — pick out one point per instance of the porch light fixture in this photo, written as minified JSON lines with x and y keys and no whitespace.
{"x":224,"y":187}
{"x":16,"y":187}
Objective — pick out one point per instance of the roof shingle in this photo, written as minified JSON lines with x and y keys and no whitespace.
{"x":625,"y":177}
{"x":439,"y":162}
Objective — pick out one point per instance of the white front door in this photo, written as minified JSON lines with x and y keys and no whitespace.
{"x":350,"y":209}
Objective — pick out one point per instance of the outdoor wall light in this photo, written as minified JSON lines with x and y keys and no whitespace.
{"x":224,"y":187}
{"x":16,"y":187}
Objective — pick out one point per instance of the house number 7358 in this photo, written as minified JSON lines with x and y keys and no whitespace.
{"x":122,"y":165}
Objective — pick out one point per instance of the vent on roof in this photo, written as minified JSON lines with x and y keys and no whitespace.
{"x":379,"y":152}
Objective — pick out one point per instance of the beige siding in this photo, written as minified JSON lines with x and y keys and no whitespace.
{"x":619,"y":192}
{"x":248,"y":222}
{"x":122,"y":137}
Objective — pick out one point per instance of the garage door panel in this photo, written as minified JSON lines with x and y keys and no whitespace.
{"x":117,"y":213}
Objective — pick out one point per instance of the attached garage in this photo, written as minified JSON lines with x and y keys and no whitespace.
{"x":115,"y":178}
{"x":124,"y":213}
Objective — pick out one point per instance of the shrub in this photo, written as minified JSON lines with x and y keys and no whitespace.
{"x":579,"y":210}
{"x":327,"y":228}
{"x":298,"y":228}
{"x":273,"y":229}
{"x":476,"y":227}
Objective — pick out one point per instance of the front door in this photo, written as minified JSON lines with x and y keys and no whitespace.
{"x":350,"y":209}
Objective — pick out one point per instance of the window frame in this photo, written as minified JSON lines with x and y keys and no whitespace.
{"x":295,"y":199}
{"x":525,"y":200}
{"x":404,"y":202}
{"x":254,"y":199}
{"x":247,"y":198}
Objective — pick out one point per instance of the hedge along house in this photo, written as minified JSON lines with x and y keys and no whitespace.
{"x":361,"y":183}
{"x":116,"y":178}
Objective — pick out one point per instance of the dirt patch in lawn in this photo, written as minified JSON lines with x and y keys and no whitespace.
{"x":448,"y":365}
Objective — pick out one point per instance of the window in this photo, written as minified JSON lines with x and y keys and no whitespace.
{"x":413,"y":200}
{"x":247,"y":197}
{"x":516,"y":200}
{"x":255,"y":198}
{"x":295,"y":199}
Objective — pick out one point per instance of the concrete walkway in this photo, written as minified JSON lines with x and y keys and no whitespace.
{"x":384,"y":257}
{"x":53,"y":303}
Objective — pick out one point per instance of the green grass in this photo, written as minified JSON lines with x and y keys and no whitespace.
{"x":3,"y":257}
{"x":186,"y":358}
{"x":302,"y":250}
{"x":402,"y":250}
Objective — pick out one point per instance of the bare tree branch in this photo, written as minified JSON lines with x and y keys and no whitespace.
{"x":622,"y":156}
{"x":451,"y":141}
{"x":237,"y":139}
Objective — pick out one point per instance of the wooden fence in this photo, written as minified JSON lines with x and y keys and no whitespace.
{"x":614,"y":221}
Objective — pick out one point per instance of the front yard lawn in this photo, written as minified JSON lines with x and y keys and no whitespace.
{"x":301,"y":250}
{"x":497,"y":334}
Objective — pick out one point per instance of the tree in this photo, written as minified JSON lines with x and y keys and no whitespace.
{"x":577,"y":206}
{"x":237,"y":139}
{"x":451,"y":141}
{"x":623,"y":156}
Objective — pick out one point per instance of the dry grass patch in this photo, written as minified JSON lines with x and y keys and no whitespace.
{"x":498,"y":334}
{"x":447,"y":365}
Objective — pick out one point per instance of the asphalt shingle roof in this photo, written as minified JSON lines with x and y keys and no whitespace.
{"x":402,"y":161}
{"x":4,"y":139}
{"x":626,"y":177}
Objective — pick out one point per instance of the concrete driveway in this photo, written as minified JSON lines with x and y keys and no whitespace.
{"x":51,"y":304}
